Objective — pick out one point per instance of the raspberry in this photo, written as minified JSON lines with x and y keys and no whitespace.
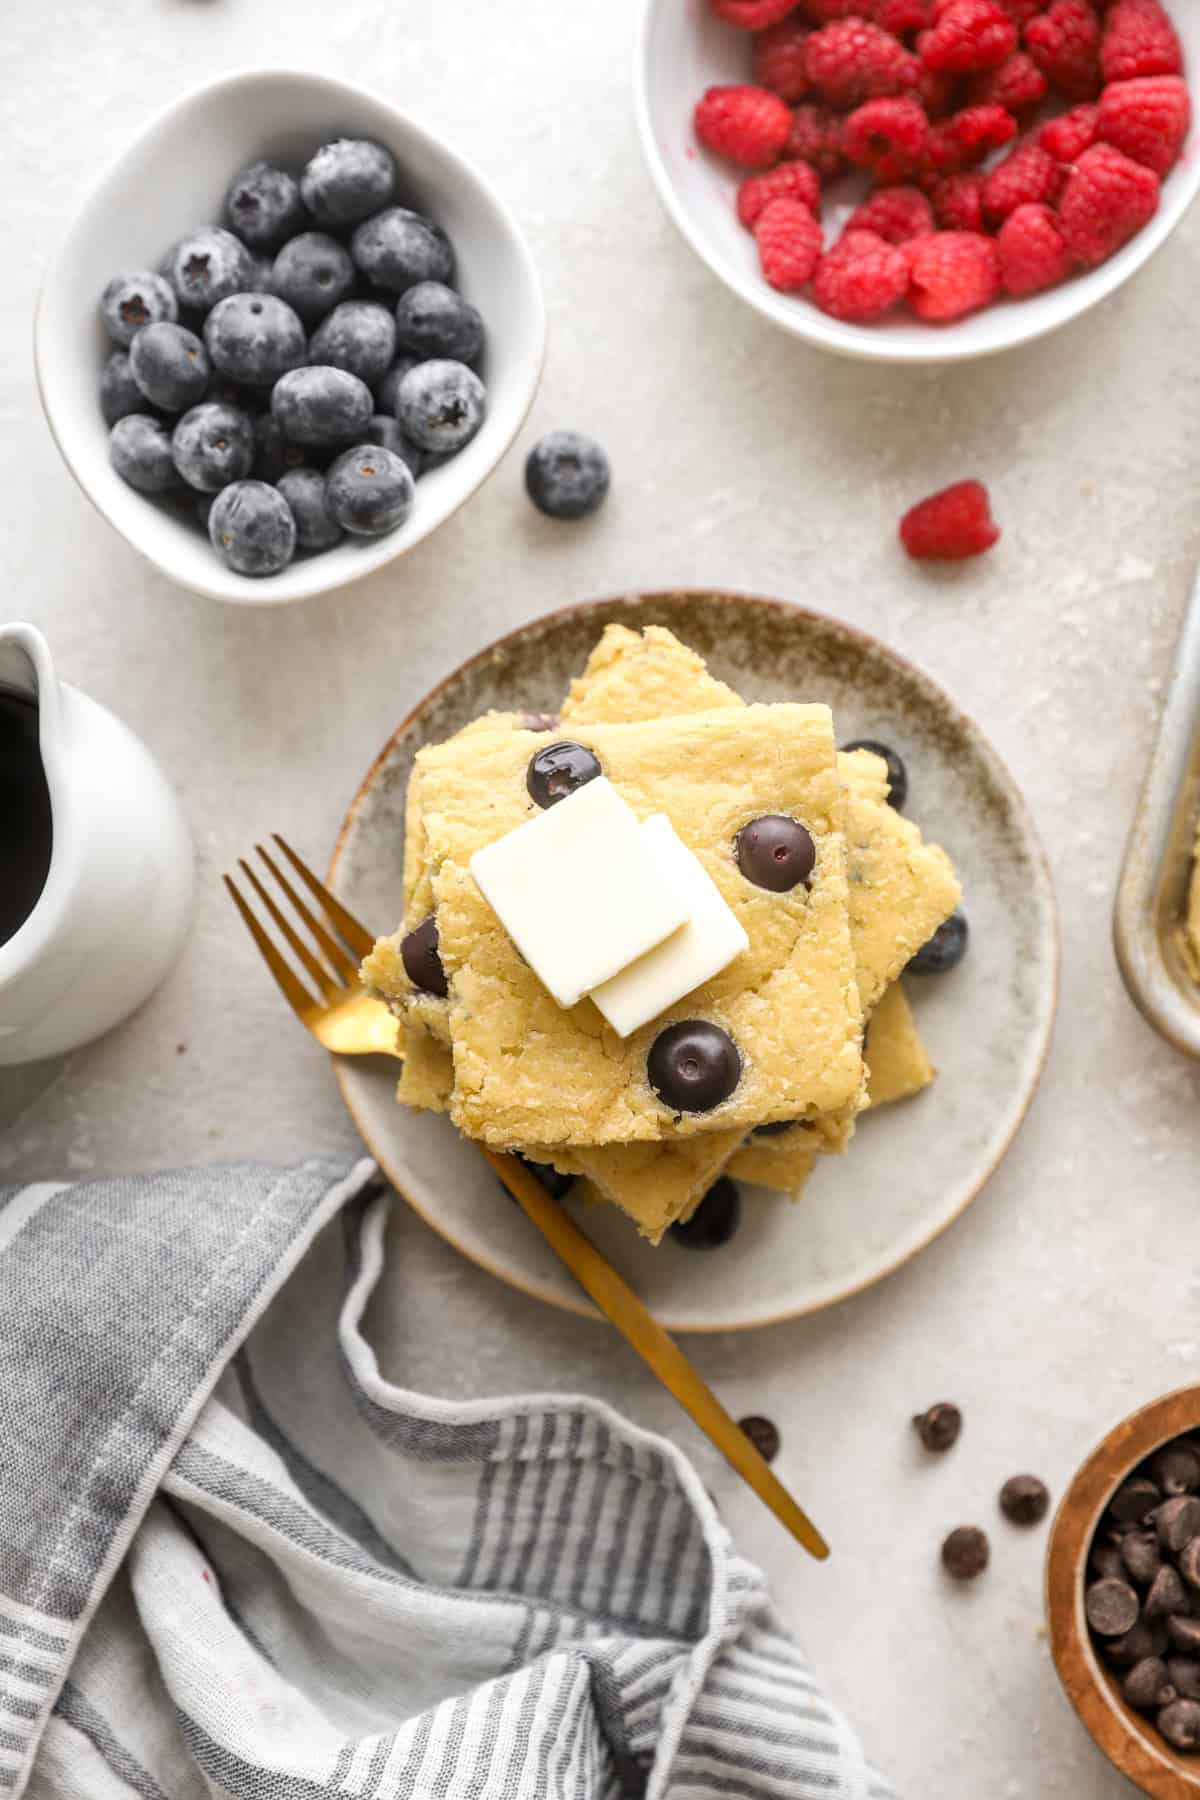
{"x":966,"y":139}
{"x":901,"y":16}
{"x":788,"y":235}
{"x":1027,"y":176}
{"x":968,"y":35}
{"x":1065,"y":45}
{"x":951,"y":525}
{"x":958,"y":203}
{"x":853,"y":60}
{"x":786,"y":181}
{"x":1032,"y":253}
{"x":952,"y":273}
{"x":816,"y":138}
{"x":1139,"y":39}
{"x":780,"y":62}
{"x":1147,"y":118}
{"x":895,"y":214}
{"x":861,"y":278}
{"x":746,"y":124}
{"x":753,"y":15}
{"x":886,"y":136}
{"x":1016,"y":84}
{"x":938,"y":92}
{"x":1107,"y":199}
{"x":1068,"y":136}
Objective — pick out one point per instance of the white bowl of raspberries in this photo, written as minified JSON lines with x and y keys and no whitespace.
{"x":288,"y":335}
{"x":920,"y":180}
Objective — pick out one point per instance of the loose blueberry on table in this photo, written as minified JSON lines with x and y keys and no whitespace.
{"x":297,"y":366}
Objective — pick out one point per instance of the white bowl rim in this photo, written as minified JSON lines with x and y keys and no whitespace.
{"x":861,"y":341}
{"x":226,"y":585}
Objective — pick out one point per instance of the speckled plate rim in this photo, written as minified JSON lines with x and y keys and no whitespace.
{"x":867,"y":644}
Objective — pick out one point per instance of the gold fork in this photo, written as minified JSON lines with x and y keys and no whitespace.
{"x":348,"y":1022}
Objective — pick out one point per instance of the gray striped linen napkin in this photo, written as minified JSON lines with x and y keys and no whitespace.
{"x":234,"y":1561}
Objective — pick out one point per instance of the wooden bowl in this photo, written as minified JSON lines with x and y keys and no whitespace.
{"x":1127,"y":1738}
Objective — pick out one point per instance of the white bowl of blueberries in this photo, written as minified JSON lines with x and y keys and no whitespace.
{"x":289,"y":334}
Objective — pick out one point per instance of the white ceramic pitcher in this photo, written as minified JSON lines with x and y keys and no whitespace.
{"x":115,"y":906}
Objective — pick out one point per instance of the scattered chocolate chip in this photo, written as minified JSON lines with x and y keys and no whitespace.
{"x":1111,"y":1607}
{"x":1177,"y":1522}
{"x":1142,"y":1555}
{"x":715,"y":1219}
{"x":1189,"y":1562}
{"x":1147,"y":1683}
{"x":763,"y":1434}
{"x":1134,"y":1499}
{"x":1184,"y":1633}
{"x":939,"y":1427}
{"x":1184,"y":1673}
{"x":897,"y":773}
{"x":1180,"y":1724}
{"x":559,"y":770}
{"x":1144,"y":1640}
{"x":1024,"y":1500}
{"x":966,"y":1552}
{"x":422,"y":964}
{"x":1166,"y":1596}
{"x":775,"y":852}
{"x":693,"y":1066}
{"x":1176,"y":1468}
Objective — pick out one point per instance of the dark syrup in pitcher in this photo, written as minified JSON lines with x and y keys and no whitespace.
{"x":26,"y":832}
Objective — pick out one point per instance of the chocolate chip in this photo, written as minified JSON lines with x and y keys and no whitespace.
{"x":965,"y":1553}
{"x":1134,"y":1499}
{"x":1142,"y":1555}
{"x":1166,"y":1596}
{"x":1024,"y":1500}
{"x":897,"y":773}
{"x":693,"y":1066}
{"x":1189,"y":1562}
{"x":939,"y":1427}
{"x":422,"y":964}
{"x":763,"y":1434}
{"x":715,"y":1219}
{"x":1111,"y":1607}
{"x":1180,"y":1724}
{"x":1145,"y":1684}
{"x":1177,"y":1521}
{"x":1107,"y":1560}
{"x":1184,"y":1633}
{"x":559,"y":770}
{"x":1176,"y":1468}
{"x":1142,"y":1640}
{"x":775,"y":852}
{"x":1184,"y":1673}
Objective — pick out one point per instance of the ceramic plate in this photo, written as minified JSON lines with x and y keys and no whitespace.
{"x":912,"y":1168}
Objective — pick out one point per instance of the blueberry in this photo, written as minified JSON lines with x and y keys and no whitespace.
{"x":304,"y":491}
{"x":369,"y":490}
{"x":261,"y":268}
{"x":359,"y":335}
{"x":398,"y":248}
{"x":945,"y":949}
{"x":131,"y":301}
{"x":264,"y":207}
{"x":254,"y":338}
{"x":321,"y":405}
{"x":387,"y":388}
{"x":312,"y":273}
{"x":432,"y":320}
{"x":119,"y":392}
{"x":139,"y":449}
{"x":897,"y":773}
{"x":170,"y":366}
{"x":567,"y":475}
{"x":273,"y":455}
{"x":252,"y":528}
{"x":556,"y":1184}
{"x":440,"y":405}
{"x":384,"y":430}
{"x":207,"y":266}
{"x":715,"y":1219}
{"x":213,"y":445}
{"x":348,"y":180}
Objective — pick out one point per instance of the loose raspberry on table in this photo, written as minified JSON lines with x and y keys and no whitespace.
{"x":1139,"y":39}
{"x":901,"y":17}
{"x":788,"y":235}
{"x":886,"y":136}
{"x":780,"y":62}
{"x":1033,"y":254}
{"x":753,"y":15}
{"x":958,"y":202}
{"x":1107,"y":199}
{"x":786,"y":181}
{"x":951,"y":525}
{"x":1147,"y":118}
{"x":1027,"y":176}
{"x":952,"y":273}
{"x":861,"y":278}
{"x":853,"y":60}
{"x":1016,"y":84}
{"x":1071,"y":133}
{"x":968,"y":35}
{"x":816,"y":138}
{"x":746,"y":124}
{"x":896,"y":214}
{"x":1065,"y":44}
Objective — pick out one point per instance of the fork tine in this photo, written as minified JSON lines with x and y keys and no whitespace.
{"x":334,"y":953}
{"x":294,"y":990}
{"x":357,"y":936}
{"x":326,"y":983}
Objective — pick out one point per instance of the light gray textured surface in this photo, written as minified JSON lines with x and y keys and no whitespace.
{"x":1069,"y":1293}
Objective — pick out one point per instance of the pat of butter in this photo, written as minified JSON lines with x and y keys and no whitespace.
{"x":580,"y":891}
{"x":703,"y":947}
